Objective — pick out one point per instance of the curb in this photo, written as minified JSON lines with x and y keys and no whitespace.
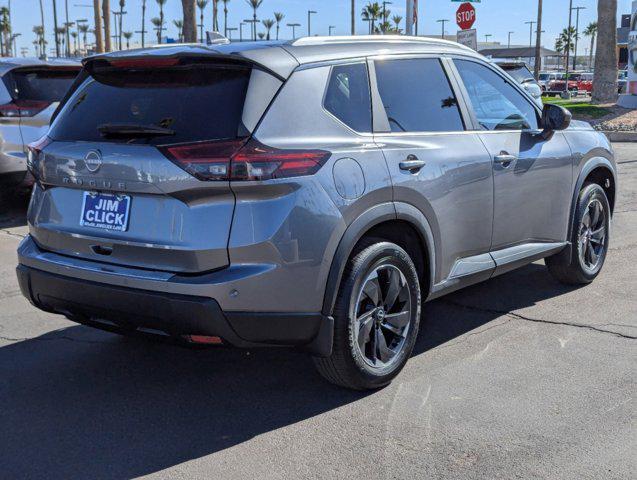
{"x":621,"y":136}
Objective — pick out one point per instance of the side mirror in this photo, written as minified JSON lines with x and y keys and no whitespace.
{"x":554,"y":118}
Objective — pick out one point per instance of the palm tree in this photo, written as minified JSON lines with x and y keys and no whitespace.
{"x":371,"y":13}
{"x":397,"y":19}
{"x":567,"y":40}
{"x":201,"y":5}
{"x":366,"y":18}
{"x":122,"y":4}
{"x":261,"y":35}
{"x":84,"y":31}
{"x":605,"y":77}
{"x":278,"y":17}
{"x":161,"y":4}
{"x":180,"y":29}
{"x":225,"y":17}
{"x":39,"y":35}
{"x":157,"y":22}
{"x":254,"y":4}
{"x":74,"y":35}
{"x":106,"y":15}
{"x":5,"y":37}
{"x":60,"y":33}
{"x":128,"y":36}
{"x":268,"y":24}
{"x":591,"y":31}
{"x":190,"y":21}
{"x":215,"y":14}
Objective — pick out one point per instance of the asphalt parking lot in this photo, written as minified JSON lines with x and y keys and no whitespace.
{"x":519,"y":377}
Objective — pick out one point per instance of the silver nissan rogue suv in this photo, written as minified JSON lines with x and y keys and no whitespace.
{"x":311,"y":193}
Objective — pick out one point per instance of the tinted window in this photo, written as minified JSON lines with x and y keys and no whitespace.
{"x":497,"y":104}
{"x":39,"y":85}
{"x":348,"y":98}
{"x":417,"y":96}
{"x":202,"y":102}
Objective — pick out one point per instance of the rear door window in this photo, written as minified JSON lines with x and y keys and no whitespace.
{"x":348,"y":98}
{"x":417,"y":96}
{"x":194,"y":102}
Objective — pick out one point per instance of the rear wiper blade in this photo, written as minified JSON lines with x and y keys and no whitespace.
{"x":133,"y":130}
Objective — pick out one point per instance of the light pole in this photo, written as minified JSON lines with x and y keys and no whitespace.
{"x":509,"y":42}
{"x":530,"y":24}
{"x":486,"y":37}
{"x":309,"y":21}
{"x":230,"y":30}
{"x":241,"y":31}
{"x":385,"y":15}
{"x":254,"y":26}
{"x":55,"y":28}
{"x":331,"y":27}
{"x":294,"y":25}
{"x":78,"y":23}
{"x":577,"y":9}
{"x":443,"y":21}
{"x":568,"y":47}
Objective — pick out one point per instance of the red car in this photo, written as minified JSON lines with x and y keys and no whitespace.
{"x":555,"y":87}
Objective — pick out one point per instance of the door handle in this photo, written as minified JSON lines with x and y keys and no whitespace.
{"x":412,"y":164}
{"x":504,"y":159}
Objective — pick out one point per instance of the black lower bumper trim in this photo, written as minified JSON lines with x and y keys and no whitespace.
{"x":176,"y":315}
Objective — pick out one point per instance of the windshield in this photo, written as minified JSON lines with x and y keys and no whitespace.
{"x":48,"y":85}
{"x":194,"y":103}
{"x":544,"y":76}
{"x":521,"y":74}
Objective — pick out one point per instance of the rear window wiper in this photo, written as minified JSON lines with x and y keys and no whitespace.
{"x":131,"y":130}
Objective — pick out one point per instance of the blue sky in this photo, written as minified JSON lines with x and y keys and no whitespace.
{"x":495,"y":17}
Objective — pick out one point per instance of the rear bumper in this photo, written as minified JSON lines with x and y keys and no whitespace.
{"x":174,"y":314}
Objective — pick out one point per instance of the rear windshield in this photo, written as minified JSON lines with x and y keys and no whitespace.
{"x":196,"y":103}
{"x":39,"y":85}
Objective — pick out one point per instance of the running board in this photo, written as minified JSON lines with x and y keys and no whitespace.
{"x":475,"y":269}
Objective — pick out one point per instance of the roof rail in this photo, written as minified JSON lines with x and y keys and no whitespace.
{"x":318,"y":40}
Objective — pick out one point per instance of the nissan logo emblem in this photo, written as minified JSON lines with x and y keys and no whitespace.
{"x":93,"y":161}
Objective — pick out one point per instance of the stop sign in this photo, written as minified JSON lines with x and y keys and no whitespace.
{"x":465,"y":16}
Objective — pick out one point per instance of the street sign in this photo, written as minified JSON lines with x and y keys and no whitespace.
{"x":465,"y":16}
{"x":468,"y":38}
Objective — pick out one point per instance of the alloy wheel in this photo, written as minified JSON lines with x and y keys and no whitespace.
{"x":382,"y":316}
{"x":592,"y":236}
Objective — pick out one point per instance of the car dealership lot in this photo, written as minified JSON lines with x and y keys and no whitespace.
{"x":519,"y":377}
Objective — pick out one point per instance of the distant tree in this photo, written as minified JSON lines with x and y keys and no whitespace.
{"x":84,"y":31}
{"x":122,"y":4}
{"x":128,"y":36}
{"x":278,"y":18}
{"x":372,"y":12}
{"x":225,"y":17}
{"x":158,"y":24}
{"x":180,"y":29}
{"x":268,"y":24}
{"x":201,"y":5}
{"x":261,"y":35}
{"x":254,"y":5}
{"x":106,"y":16}
{"x":74,"y":35}
{"x":397,"y":19}
{"x":161,"y":4}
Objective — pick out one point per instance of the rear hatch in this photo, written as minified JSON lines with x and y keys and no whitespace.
{"x":135,"y":168}
{"x":35,"y":94}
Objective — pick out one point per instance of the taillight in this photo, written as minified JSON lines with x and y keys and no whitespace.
{"x":23,"y":108}
{"x":34,"y":153}
{"x":240,"y":161}
{"x":204,"y":160}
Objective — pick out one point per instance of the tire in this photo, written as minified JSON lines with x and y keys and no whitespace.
{"x":577,"y":266}
{"x":387,"y":331}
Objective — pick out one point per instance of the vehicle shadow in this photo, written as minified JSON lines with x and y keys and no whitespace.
{"x":80,"y":402}
{"x":13,"y":210}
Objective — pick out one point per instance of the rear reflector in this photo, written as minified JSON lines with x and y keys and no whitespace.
{"x":23,"y":108}
{"x":237,"y":160}
{"x":204,"y":339}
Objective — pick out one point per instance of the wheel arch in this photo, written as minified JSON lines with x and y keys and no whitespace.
{"x":599,"y":170}
{"x":388,"y":220}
